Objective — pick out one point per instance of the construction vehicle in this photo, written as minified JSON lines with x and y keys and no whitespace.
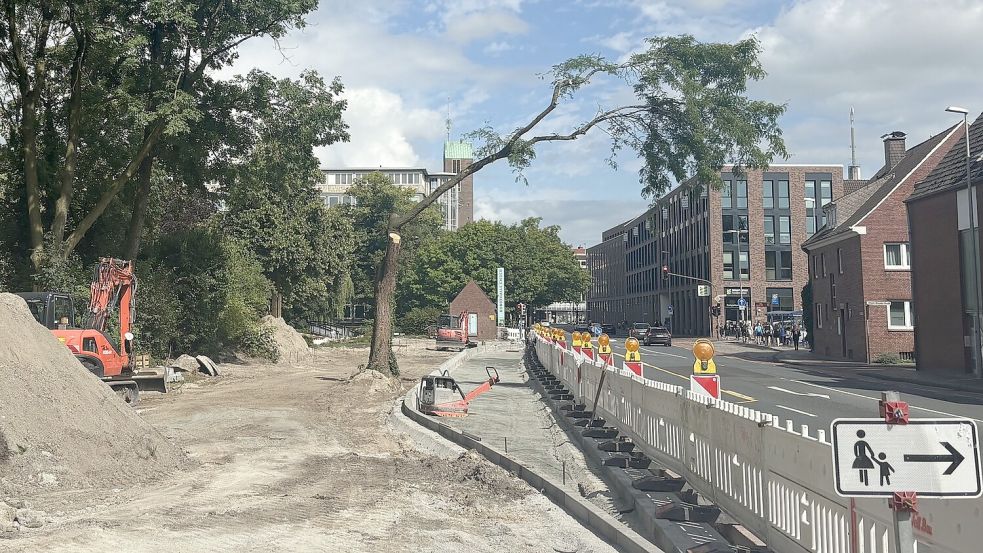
{"x":113,"y":287}
{"x":440,"y":395}
{"x":452,"y":332}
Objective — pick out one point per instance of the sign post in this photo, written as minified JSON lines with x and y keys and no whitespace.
{"x":501,"y":296}
{"x":901,"y":458}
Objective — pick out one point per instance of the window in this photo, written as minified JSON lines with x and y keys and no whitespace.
{"x":778,"y":265}
{"x":768,"y":194}
{"x":783,"y":194}
{"x":742,"y":226}
{"x":741,"y":186}
{"x":728,"y":226}
{"x":897,"y":256}
{"x":810,"y":189}
{"x":745,"y":268}
{"x":61,"y":308}
{"x":725,"y":195}
{"x":815,"y":266}
{"x":819,"y":316}
{"x":832,"y":286}
{"x":900,"y":316}
{"x":784,"y":299}
{"x":728,"y":265}
{"x":769,"y":230}
{"x":810,"y":223}
{"x":332,"y":201}
{"x":784,"y":230}
{"x":825,"y":191}
{"x":839,"y":260}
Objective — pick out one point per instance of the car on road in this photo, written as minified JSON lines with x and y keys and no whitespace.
{"x":582,"y":328}
{"x":609,"y":329}
{"x":657,"y":335}
{"x":639,"y":331}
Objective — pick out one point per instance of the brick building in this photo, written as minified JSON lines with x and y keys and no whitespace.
{"x":457,"y":204}
{"x":480,"y":311}
{"x":942,"y":263}
{"x":860,"y":259}
{"x":744,"y":238}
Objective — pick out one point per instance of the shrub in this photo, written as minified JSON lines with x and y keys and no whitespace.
{"x":417,"y":320}
{"x":887,"y":359}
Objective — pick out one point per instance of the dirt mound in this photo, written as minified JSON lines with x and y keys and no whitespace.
{"x":375,"y":381}
{"x":61,"y":426}
{"x":290,"y":344}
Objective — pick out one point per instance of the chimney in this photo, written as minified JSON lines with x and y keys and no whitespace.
{"x":894,"y":148}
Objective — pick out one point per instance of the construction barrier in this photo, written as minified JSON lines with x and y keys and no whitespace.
{"x":776,"y":480}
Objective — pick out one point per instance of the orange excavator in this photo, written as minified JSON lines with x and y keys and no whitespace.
{"x":452,"y":332}
{"x":113,"y":287}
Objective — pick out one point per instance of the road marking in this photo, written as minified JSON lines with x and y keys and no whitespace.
{"x":824,"y":396}
{"x":795,"y":410}
{"x":876,"y":399}
{"x":664,"y":353}
{"x":747,"y":399}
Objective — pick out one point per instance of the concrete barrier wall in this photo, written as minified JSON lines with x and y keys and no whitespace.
{"x":775,"y":479}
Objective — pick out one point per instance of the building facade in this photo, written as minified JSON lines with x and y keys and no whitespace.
{"x":456,"y":205}
{"x":942,"y":259}
{"x":742,"y":240}
{"x":860,"y":260}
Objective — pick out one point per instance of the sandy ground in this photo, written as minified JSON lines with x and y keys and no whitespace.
{"x":296,"y":457}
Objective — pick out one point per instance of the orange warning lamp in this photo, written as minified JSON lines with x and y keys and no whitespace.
{"x":575,"y":336}
{"x":603,"y":340}
{"x":631,"y":344}
{"x":703,"y":350}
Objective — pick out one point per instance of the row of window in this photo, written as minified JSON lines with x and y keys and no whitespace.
{"x":396,"y":178}
{"x":332,"y":200}
{"x":900,"y":315}
{"x":778,"y":229}
{"x":778,"y":265}
{"x":774,"y":193}
{"x":897,"y":256}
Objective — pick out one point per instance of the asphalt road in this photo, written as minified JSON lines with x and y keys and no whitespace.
{"x":803,"y":395}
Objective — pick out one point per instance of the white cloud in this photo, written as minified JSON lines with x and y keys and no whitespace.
{"x":580,"y":222}
{"x":382,"y":131}
{"x":497,"y":47}
{"x":484,"y":24}
{"x":899,"y":62}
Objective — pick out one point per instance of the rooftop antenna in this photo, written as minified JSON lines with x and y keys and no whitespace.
{"x":853,"y":173}
{"x":448,"y":120}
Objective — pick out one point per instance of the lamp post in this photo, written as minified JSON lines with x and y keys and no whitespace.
{"x":971,"y":207}
{"x":740,"y":274}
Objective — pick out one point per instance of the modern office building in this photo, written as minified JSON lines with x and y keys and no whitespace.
{"x":742,"y":241}
{"x":861,"y":259}
{"x":457,"y":204}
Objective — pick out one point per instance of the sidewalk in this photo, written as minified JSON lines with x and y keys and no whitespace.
{"x":832,"y":367}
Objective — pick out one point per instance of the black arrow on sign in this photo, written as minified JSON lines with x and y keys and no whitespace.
{"x":954,"y":458}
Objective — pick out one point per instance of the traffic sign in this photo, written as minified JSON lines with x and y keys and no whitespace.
{"x":774,"y":299}
{"x":707,"y":385}
{"x":669,"y":310}
{"x":931,"y":457}
{"x":741,"y":302}
{"x":703,"y":290}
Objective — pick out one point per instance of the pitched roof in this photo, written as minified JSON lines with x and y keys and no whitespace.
{"x":951,"y":171}
{"x":853,"y":207}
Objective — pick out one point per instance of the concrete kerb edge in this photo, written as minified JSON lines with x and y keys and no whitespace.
{"x":597,"y":521}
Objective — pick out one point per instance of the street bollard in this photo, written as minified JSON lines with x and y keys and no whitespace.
{"x":564,"y":473}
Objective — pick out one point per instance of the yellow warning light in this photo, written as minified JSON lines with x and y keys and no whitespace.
{"x":575,"y":336}
{"x":603,"y":340}
{"x":703,"y":350}
{"x":631,"y":344}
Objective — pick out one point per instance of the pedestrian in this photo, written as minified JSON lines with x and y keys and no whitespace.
{"x":796,"y":335}
{"x":781,"y":334}
{"x":766,"y":334}
{"x":885,"y":468}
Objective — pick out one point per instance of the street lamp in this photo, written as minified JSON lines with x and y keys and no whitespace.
{"x":971,"y":206}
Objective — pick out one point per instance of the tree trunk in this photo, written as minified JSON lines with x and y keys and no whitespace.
{"x":64,"y":202}
{"x":381,"y":356}
{"x":139,"y":215}
{"x":29,"y":132}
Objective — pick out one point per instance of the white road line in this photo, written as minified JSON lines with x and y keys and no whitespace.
{"x":794,"y":410}
{"x":824,"y":396}
{"x":877,"y":399}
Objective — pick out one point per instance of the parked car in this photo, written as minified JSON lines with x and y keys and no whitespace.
{"x":609,"y":329}
{"x":639,"y":331}
{"x":582,"y":328}
{"x":657,"y":335}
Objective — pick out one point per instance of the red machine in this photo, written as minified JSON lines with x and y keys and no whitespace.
{"x":452,"y":332}
{"x":438,"y":394}
{"x":113,"y":285}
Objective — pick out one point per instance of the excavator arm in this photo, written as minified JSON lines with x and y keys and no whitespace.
{"x":113,"y":286}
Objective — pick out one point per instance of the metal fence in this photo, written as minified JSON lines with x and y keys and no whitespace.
{"x":775,"y":479}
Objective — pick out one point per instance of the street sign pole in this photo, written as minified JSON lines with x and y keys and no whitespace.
{"x":902,"y":504}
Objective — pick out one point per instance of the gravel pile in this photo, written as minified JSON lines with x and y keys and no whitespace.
{"x":60,"y":426}
{"x":290,"y":344}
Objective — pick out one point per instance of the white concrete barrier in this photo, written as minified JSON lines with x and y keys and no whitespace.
{"x":775,"y":479}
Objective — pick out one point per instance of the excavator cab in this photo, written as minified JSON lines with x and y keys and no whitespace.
{"x":52,"y":309}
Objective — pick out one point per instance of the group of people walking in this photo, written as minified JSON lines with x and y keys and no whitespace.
{"x":763,"y":333}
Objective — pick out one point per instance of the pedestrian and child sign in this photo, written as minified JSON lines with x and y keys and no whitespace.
{"x":931,"y":457}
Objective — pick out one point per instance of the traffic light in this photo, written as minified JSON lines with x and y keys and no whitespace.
{"x":665,"y":272}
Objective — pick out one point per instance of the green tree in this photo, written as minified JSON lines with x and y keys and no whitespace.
{"x":539,"y":268}
{"x":690,"y":115}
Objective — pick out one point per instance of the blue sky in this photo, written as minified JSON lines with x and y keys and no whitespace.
{"x":404,"y":63}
